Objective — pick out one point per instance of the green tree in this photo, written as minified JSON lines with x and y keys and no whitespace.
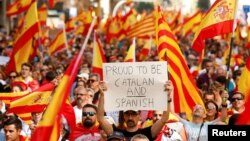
{"x":142,"y":6}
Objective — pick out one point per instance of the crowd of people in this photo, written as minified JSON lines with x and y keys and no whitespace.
{"x":221,"y":101}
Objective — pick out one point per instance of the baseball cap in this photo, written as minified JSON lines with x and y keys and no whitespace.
{"x":116,"y":135}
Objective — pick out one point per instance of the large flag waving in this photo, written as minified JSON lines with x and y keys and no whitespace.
{"x":218,"y":20}
{"x":33,"y":102}
{"x":42,"y":14}
{"x":186,"y":94}
{"x":98,"y":57}
{"x":18,"y":7}
{"x":24,"y":45}
{"x":45,"y":126}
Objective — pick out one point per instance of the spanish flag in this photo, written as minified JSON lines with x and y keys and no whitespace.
{"x":33,"y":102}
{"x":18,"y":7}
{"x":98,"y":57}
{"x":218,"y":20}
{"x":144,"y":53}
{"x":60,"y":96}
{"x":131,"y":53}
{"x":70,"y":25}
{"x":186,"y":94}
{"x":42,"y":14}
{"x":24,"y":45}
{"x":190,"y":23}
{"x":58,"y":44}
{"x":248,"y":37}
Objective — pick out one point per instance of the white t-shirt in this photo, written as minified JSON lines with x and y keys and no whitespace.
{"x":78,"y":114}
{"x":192,"y":130}
{"x":89,"y":137}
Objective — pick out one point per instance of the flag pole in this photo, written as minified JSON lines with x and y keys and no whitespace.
{"x":231,"y":48}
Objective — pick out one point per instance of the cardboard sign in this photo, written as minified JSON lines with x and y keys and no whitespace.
{"x":135,"y":86}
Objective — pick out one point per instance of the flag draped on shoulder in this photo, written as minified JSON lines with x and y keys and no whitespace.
{"x":98,"y":57}
{"x":18,"y":7}
{"x":218,"y":20}
{"x":131,"y":53}
{"x":186,"y":94}
{"x":60,"y":96}
{"x":24,"y":45}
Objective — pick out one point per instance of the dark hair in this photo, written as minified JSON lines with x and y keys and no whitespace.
{"x":238,"y":92}
{"x":95,"y":75}
{"x":27,"y":65}
{"x":90,"y":106}
{"x":13,"y":120}
{"x":50,"y":75}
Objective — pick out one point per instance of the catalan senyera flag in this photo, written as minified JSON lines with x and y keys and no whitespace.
{"x":244,"y":80}
{"x":98,"y":57}
{"x":18,"y":7}
{"x":60,"y":96}
{"x":26,"y":117}
{"x":42,"y":14}
{"x":35,"y":101}
{"x":142,"y":28}
{"x":176,"y":20}
{"x":144,"y":53}
{"x":8,"y":97}
{"x":189,"y":23}
{"x":218,"y":20}
{"x":58,"y":44}
{"x":24,"y":45}
{"x":186,"y":94}
{"x":131,"y":53}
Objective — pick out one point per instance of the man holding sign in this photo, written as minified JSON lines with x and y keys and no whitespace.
{"x":130,"y":76}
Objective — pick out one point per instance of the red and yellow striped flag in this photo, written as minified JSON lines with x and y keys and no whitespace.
{"x":42,"y":14}
{"x":24,"y":45}
{"x":58,"y":44}
{"x":98,"y":57}
{"x":218,"y":20}
{"x":18,"y":7}
{"x":186,"y":94}
{"x":131,"y":53}
{"x":60,"y":96}
{"x":70,"y":25}
{"x":143,"y":28}
{"x":33,"y":102}
{"x":190,"y":23}
{"x":8,"y":97}
{"x":144,"y":53}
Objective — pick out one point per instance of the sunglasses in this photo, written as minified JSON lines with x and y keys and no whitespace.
{"x":237,"y":98}
{"x":210,"y":107}
{"x":91,"y":114}
{"x":91,"y":81}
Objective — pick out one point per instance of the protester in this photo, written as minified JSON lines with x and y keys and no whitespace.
{"x":89,"y":129}
{"x":131,"y":118}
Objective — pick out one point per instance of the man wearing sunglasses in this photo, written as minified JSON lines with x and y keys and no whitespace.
{"x":89,"y":128}
{"x":132,"y":118}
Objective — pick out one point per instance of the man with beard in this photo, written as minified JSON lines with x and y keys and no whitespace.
{"x":89,"y":129}
{"x":132,"y":118}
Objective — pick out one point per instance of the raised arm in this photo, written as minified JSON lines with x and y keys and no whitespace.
{"x":108,"y":129}
{"x":158,"y":125}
